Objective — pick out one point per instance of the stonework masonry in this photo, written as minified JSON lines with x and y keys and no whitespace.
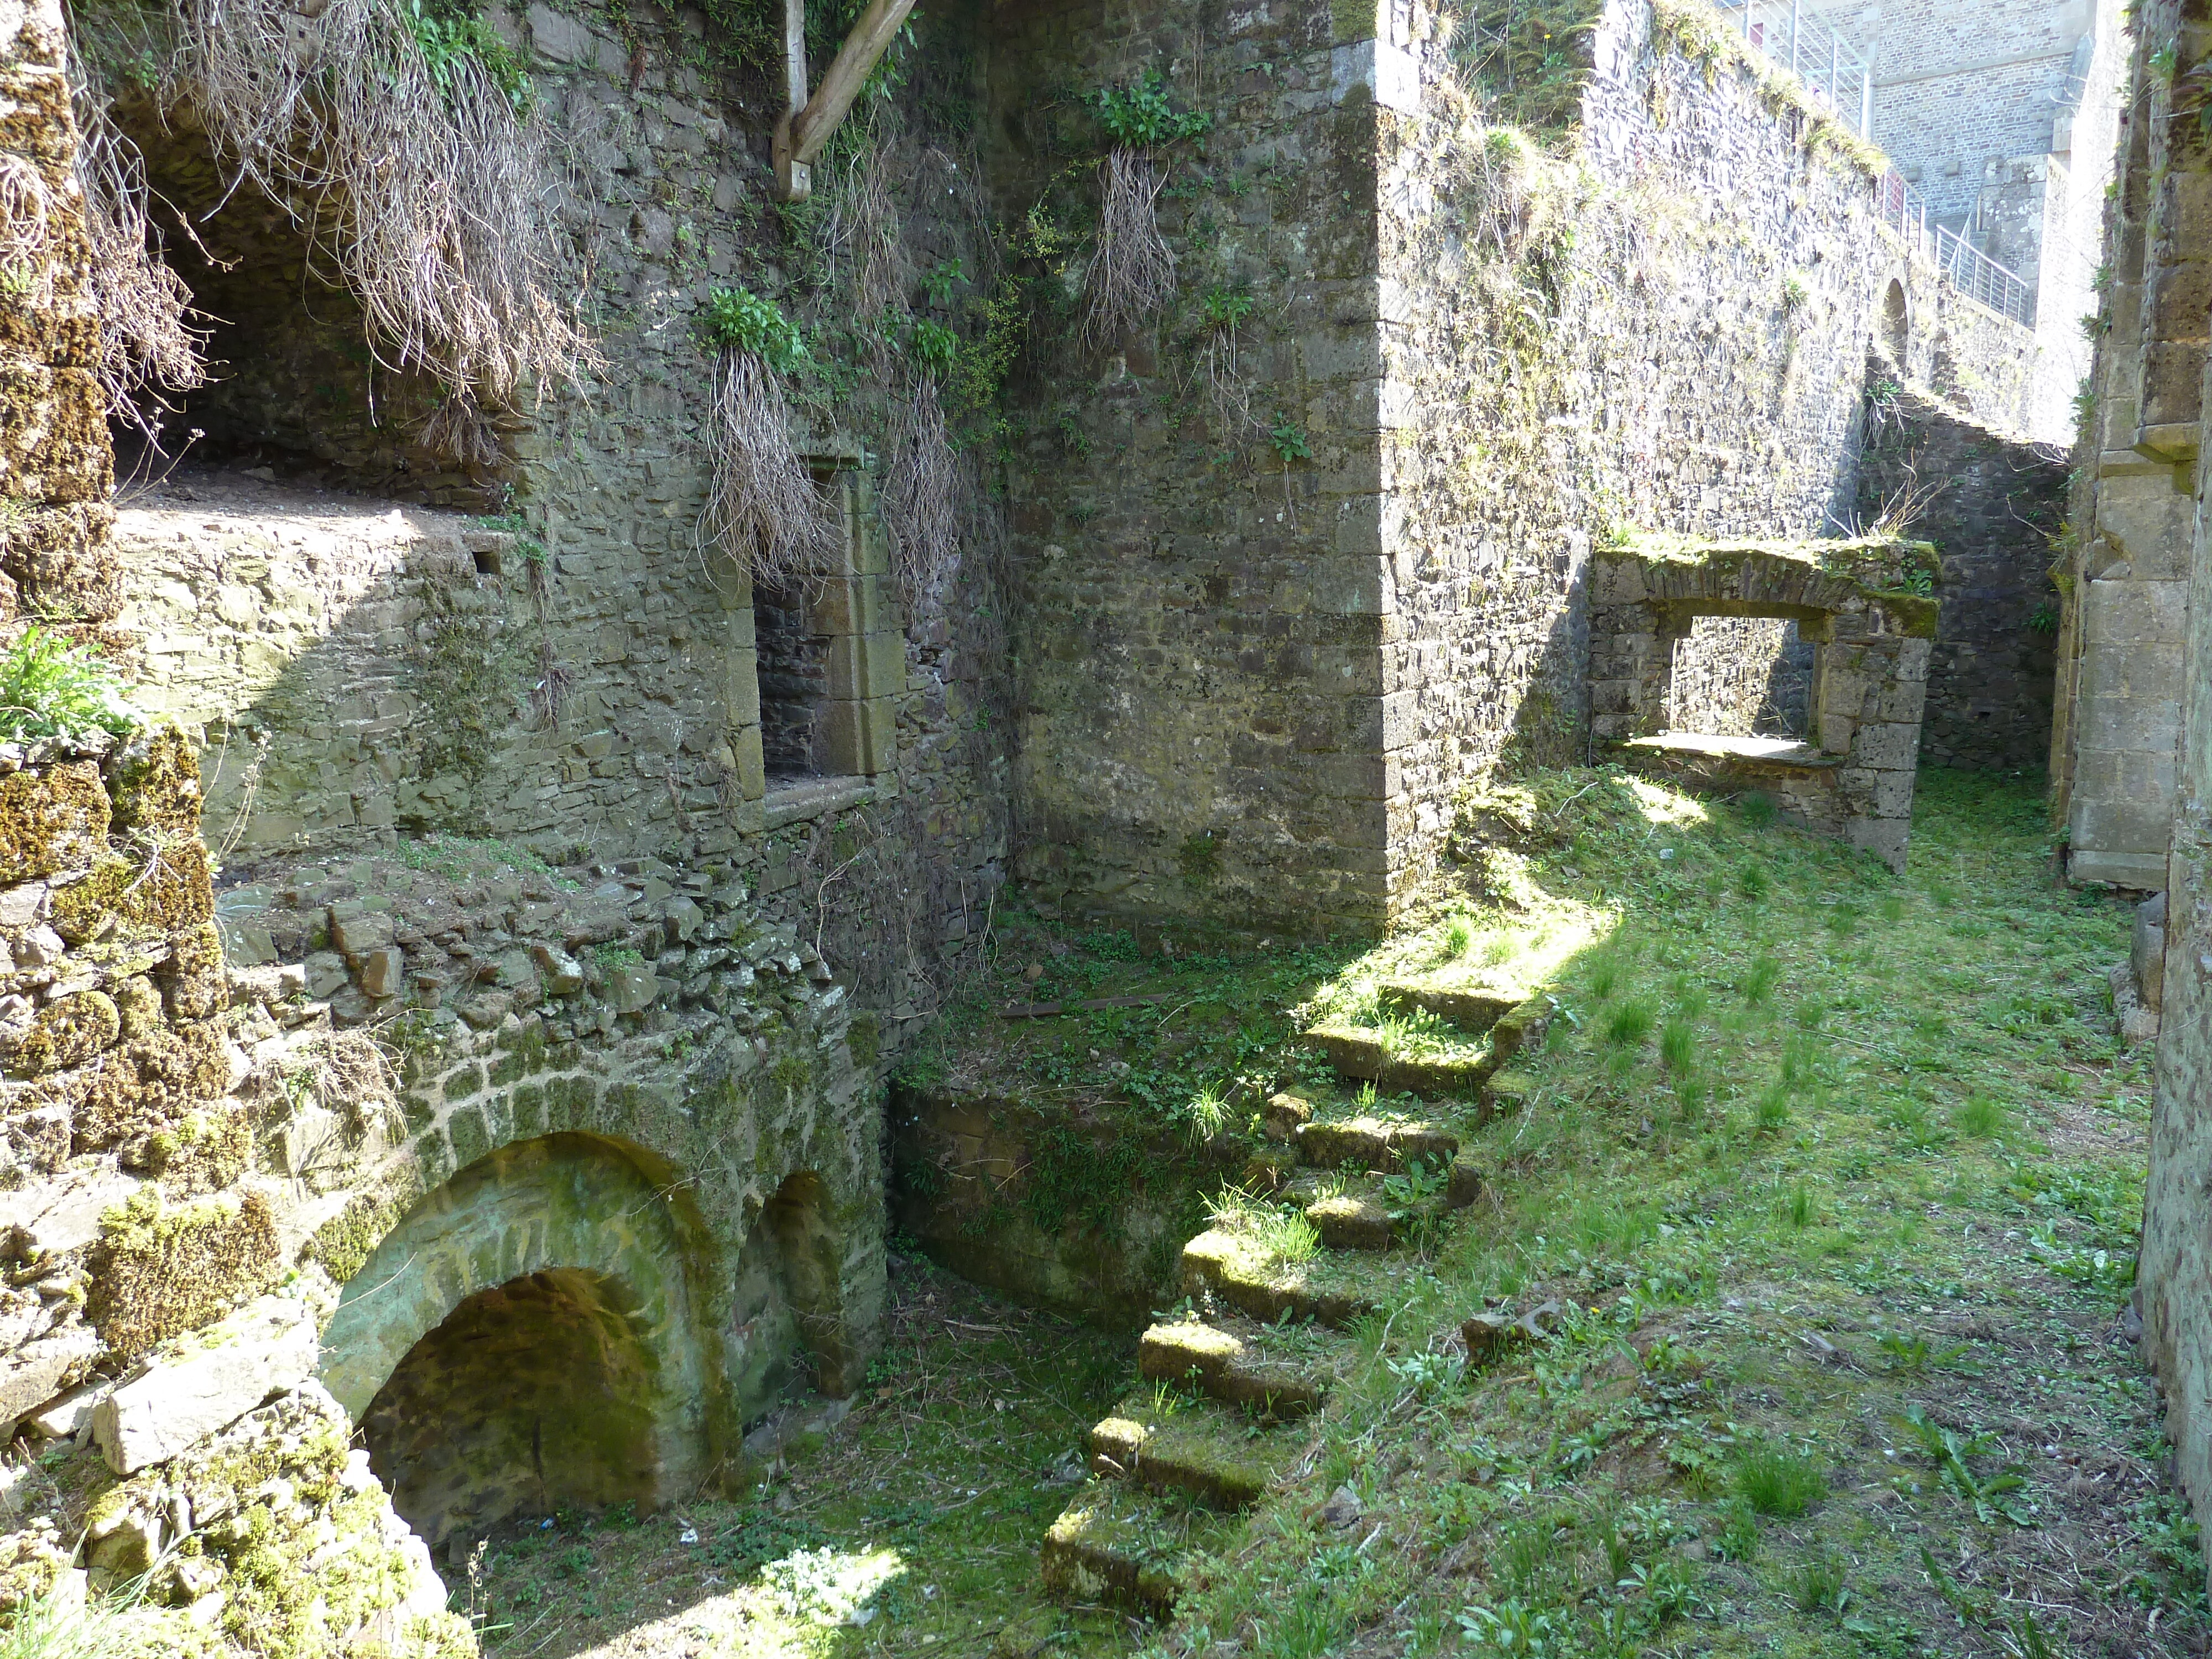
{"x":1307,"y":655}
{"x":481,"y":871}
{"x":2144,"y":540}
{"x":2004,"y":116}
{"x":1993,"y":508}
{"x":2124,"y":571}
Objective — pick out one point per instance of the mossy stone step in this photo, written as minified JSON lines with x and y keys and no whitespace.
{"x":1125,"y":1545}
{"x":1333,"y":1289}
{"x":1475,"y":1009}
{"x":1347,"y":1221}
{"x":1172,"y":1442}
{"x":1359,"y":1054}
{"x":1371,"y":1142}
{"x":1507,"y":1092}
{"x":1238,"y":1366}
{"x":1522,"y":1029}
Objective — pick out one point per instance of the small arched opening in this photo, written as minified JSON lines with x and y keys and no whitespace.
{"x":531,"y":1396}
{"x":1896,"y":320}
{"x":533,"y":1335}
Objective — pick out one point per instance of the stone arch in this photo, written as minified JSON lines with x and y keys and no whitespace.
{"x":1896,"y":319}
{"x":549,"y":1289}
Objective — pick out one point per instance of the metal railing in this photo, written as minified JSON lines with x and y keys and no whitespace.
{"x":1793,"y":37}
{"x":1790,"y":36}
{"x":1967,"y":269}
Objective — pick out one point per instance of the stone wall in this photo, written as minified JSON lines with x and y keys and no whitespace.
{"x":1201,"y":613}
{"x":2014,"y":146}
{"x":1318,"y":608}
{"x":2126,"y":570}
{"x":1083,"y":1213}
{"x":490,"y":801}
{"x":1993,"y":508}
{"x":2160,"y":240}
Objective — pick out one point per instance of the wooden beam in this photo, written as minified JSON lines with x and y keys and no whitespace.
{"x":817,"y":122}
{"x":794,"y":179}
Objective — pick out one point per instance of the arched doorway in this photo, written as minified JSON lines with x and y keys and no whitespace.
{"x":533,"y":1396}
{"x":532,"y":1335}
{"x":1896,"y":320}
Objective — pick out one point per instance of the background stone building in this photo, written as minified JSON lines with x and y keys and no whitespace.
{"x":2002,"y":116}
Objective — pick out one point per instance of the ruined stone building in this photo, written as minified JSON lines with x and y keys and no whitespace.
{"x":2001,"y":116}
{"x":2134,"y":685}
{"x":2124,"y":564}
{"x":470,"y":725}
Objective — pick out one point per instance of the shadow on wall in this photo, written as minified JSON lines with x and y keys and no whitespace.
{"x":360,"y":669}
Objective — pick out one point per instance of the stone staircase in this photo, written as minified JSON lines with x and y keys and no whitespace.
{"x":1213,"y":1420}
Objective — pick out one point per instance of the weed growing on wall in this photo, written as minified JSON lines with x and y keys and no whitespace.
{"x":762,"y":510}
{"x":50,"y":688}
{"x":401,"y":133}
{"x":1132,"y":270}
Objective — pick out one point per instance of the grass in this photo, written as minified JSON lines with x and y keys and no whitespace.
{"x":1778,"y":1482}
{"x":1840,"y":1289}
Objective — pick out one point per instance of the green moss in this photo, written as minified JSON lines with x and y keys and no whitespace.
{"x":207,"y":1151}
{"x":68,"y":1033}
{"x":158,"y":1272}
{"x":51,"y":820}
{"x":346,"y":1241}
{"x":155,"y":783}
{"x":863,"y":1039}
{"x":470,"y":1139}
{"x":159,"y":890}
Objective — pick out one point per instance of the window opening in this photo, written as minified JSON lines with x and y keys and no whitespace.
{"x":1741,"y":676}
{"x":795,"y":683}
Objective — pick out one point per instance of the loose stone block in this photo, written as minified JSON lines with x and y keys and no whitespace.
{"x":206,"y":1383}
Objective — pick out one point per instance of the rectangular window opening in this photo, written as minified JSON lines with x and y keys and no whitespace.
{"x":1741,"y":676}
{"x":794,"y":685}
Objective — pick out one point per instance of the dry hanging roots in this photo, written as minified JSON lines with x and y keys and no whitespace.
{"x":761,"y":506}
{"x":440,"y":206}
{"x":922,"y":489}
{"x":458,"y":430}
{"x":1132,"y":273}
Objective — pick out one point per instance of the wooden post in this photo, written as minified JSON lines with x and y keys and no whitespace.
{"x":793,"y":178}
{"x":815,"y":124}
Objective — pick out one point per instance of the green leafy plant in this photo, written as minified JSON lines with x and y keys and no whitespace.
{"x":1428,"y":1374}
{"x":1993,"y":1497}
{"x":1288,"y":439}
{"x":1140,"y":117}
{"x":49,"y":687}
{"x":448,"y":34}
{"x":1739,"y":1535}
{"x":1908,"y":1354}
{"x":1225,"y":307}
{"x":737,"y":320}
{"x":1820,"y":1585}
{"x":935,"y":347}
